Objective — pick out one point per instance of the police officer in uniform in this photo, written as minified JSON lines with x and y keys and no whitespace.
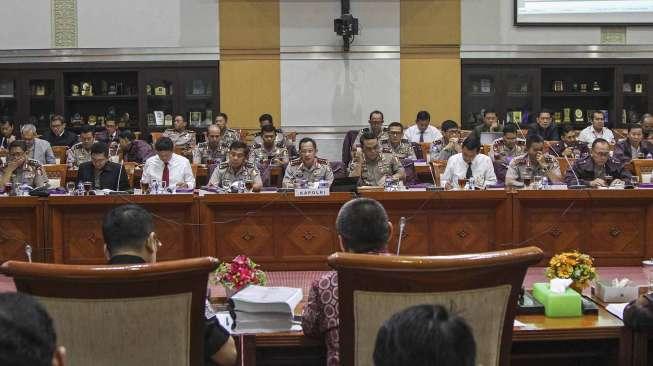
{"x":210,"y":151}
{"x":20,"y":169}
{"x":534,"y":162}
{"x":266,"y":119}
{"x":504,"y":149}
{"x":396,"y":145}
{"x":308,"y":166}
{"x":373,"y":166}
{"x":569,"y":146}
{"x":269,"y":152}
{"x":227,"y":135}
{"x":81,"y":151}
{"x":449,"y":145}
{"x":181,"y":137}
{"x":594,"y":169}
{"x":376,"y":128}
{"x":236,"y":169}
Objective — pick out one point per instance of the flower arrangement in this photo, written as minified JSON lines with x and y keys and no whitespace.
{"x":241,"y":272}
{"x":577,"y":266}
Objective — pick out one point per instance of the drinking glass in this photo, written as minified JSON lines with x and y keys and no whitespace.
{"x":462,"y":182}
{"x":70,"y":188}
{"x":249,"y":184}
{"x":537,"y":181}
{"x":145,"y":187}
{"x":635,"y":180}
{"x":87,"y":188}
{"x":527,"y":180}
{"x":8,"y":188}
{"x":608,"y":180}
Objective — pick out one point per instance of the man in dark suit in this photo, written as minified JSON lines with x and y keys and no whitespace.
{"x":109,"y":134}
{"x":544,"y":127}
{"x":101,"y":172}
{"x":130,"y":239}
{"x":59,"y":135}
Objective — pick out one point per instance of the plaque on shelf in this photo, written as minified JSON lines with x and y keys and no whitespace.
{"x":623,"y":116}
{"x":208,"y":116}
{"x":104,"y":87}
{"x":112,"y":113}
{"x":74,"y":90}
{"x":150,"y":119}
{"x":596,"y":87}
{"x":148,"y":89}
{"x":160,"y":91}
{"x":87,"y":89}
{"x":566,"y":115}
{"x":92,"y":120}
{"x":195,"y":118}
{"x":627,"y":87}
{"x":583,"y":87}
{"x":158,"y":118}
{"x":574,"y":87}
{"x":476,"y":87}
{"x":100,"y":120}
{"x":639,"y":87}
{"x":6,"y":88}
{"x":514,"y":117}
{"x":579,"y":116}
{"x":113,"y":89}
{"x":557,"y":118}
{"x":124,"y":120}
{"x":39,"y":91}
{"x":486,"y":86}
{"x":76,"y":119}
{"x":198,"y":88}
{"x":523,"y":88}
{"x":168,"y":119}
{"x":558,"y":86}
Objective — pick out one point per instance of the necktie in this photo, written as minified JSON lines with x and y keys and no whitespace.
{"x":469,"y":171}
{"x":421,"y":136}
{"x":165,"y":177}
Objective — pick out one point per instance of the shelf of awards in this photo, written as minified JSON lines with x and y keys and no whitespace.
{"x":101,"y":98}
{"x":576,"y":94}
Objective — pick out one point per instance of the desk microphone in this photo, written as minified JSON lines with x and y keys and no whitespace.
{"x":119,"y":175}
{"x":402,"y":225}
{"x":578,"y":185}
{"x":28,"y":252}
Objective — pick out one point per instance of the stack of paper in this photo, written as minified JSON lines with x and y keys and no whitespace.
{"x":271,"y":309}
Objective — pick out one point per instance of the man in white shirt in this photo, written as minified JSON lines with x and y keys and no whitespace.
{"x":470,"y":163}
{"x":166,"y":166}
{"x":422,"y":131}
{"x":596,"y":130}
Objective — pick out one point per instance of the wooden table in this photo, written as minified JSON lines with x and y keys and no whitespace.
{"x":75,"y":226}
{"x":21,"y":224}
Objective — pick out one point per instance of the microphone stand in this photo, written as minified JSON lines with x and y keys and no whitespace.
{"x":402,"y":225}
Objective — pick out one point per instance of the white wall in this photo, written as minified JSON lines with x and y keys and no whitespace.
{"x":25,"y":24}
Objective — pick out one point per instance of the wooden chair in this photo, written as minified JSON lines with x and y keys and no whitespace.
{"x":426,"y":149}
{"x":155,"y":136}
{"x":437,"y":168}
{"x":56,"y":172}
{"x":564,"y":166}
{"x":130,"y":167}
{"x":464,"y":134}
{"x":149,"y":314}
{"x":486,"y":149}
{"x":194,"y":167}
{"x":641,"y":164}
{"x":60,"y":153}
{"x":482,"y":288}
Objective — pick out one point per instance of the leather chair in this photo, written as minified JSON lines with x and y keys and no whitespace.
{"x":60,"y":153}
{"x":56,"y":171}
{"x":347,"y":145}
{"x":130,"y":315}
{"x":482,"y":288}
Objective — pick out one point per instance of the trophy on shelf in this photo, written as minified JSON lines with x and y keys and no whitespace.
{"x":87,"y":89}
{"x":557,"y":118}
{"x":566,"y":115}
{"x":158,"y":118}
{"x":514,"y":117}
{"x":148,"y":89}
{"x":76,"y":119}
{"x":579,"y":116}
{"x":627,"y":87}
{"x":583,"y":87}
{"x":558,"y":86}
{"x":113,"y":89}
{"x":160,"y":91}
{"x":195,"y":118}
{"x":574,"y":87}
{"x":486,"y":86}
{"x":104,"y":87}
{"x":208,"y":117}
{"x":100,"y":120}
{"x":92,"y":120}
{"x":596,"y":87}
{"x":639,"y":87}
{"x":198,"y":88}
{"x":6,"y":88}
{"x":39,"y":91}
{"x":74,"y":90}
{"x":168,"y":119}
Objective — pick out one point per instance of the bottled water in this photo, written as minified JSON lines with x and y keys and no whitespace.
{"x":154,"y":187}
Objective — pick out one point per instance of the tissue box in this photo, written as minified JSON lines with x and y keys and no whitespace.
{"x":558,"y":305}
{"x":606,"y":293}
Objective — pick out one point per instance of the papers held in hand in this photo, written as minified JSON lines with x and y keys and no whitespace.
{"x":265,"y":309}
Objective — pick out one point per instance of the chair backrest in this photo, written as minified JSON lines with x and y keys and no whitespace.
{"x":437,"y":167}
{"x":482,"y":288}
{"x":426,"y":149}
{"x":155,"y":136}
{"x":347,"y":144}
{"x":60,"y":153}
{"x":134,"y":315}
{"x":56,"y":172}
{"x":194,"y":167}
{"x":130,"y":167}
{"x":485,"y":149}
{"x":640,"y":165}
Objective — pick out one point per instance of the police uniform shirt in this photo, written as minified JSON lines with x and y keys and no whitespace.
{"x":403,"y":150}
{"x":77,"y":155}
{"x":224,"y":175}
{"x":320,"y":170}
{"x":522,"y":166}
{"x":373,"y":170}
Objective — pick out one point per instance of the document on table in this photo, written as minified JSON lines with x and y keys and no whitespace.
{"x":617,"y":309}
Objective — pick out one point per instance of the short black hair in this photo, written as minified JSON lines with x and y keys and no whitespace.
{"x":100,"y":148}
{"x":268,"y":128}
{"x":472,"y":143}
{"x":448,"y":125}
{"x":6,"y":120}
{"x":490,"y":110}
{"x":533,"y":139}
{"x":599,"y":141}
{"x":18,"y":143}
{"x":59,"y":118}
{"x":423,"y":116}
{"x":363,"y":225}
{"x":566,"y":128}
{"x":126,"y":227}
{"x":86,"y":129}
{"x":396,"y":124}
{"x":425,"y":335}
{"x":110,"y":120}
{"x":367,"y":135}
{"x":223,"y":115}
{"x":510,"y":128}
{"x":164,"y":144}
{"x":265,"y":117}
{"x":305,"y":140}
{"x":544,"y":110}
{"x":634,"y":126}
{"x":595,"y":112}
{"x":27,"y":337}
{"x":376,"y":112}
{"x":127,"y":135}
{"x":239,"y":145}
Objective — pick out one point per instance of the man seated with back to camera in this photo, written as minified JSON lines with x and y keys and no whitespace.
{"x":535,"y":162}
{"x":470,"y":163}
{"x":633,"y":146}
{"x":569,"y":146}
{"x":236,"y":170}
{"x":129,"y":235}
{"x":363,"y":227}
{"x":373,"y":166}
{"x":425,"y":335}
{"x":27,"y":334}
{"x":598,"y":169}
{"x":102,"y":173}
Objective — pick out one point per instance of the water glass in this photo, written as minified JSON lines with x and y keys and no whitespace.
{"x":70,"y":188}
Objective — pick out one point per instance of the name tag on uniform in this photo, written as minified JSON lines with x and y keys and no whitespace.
{"x":311,"y":192}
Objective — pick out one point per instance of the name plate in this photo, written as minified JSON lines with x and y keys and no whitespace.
{"x":311,"y":192}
